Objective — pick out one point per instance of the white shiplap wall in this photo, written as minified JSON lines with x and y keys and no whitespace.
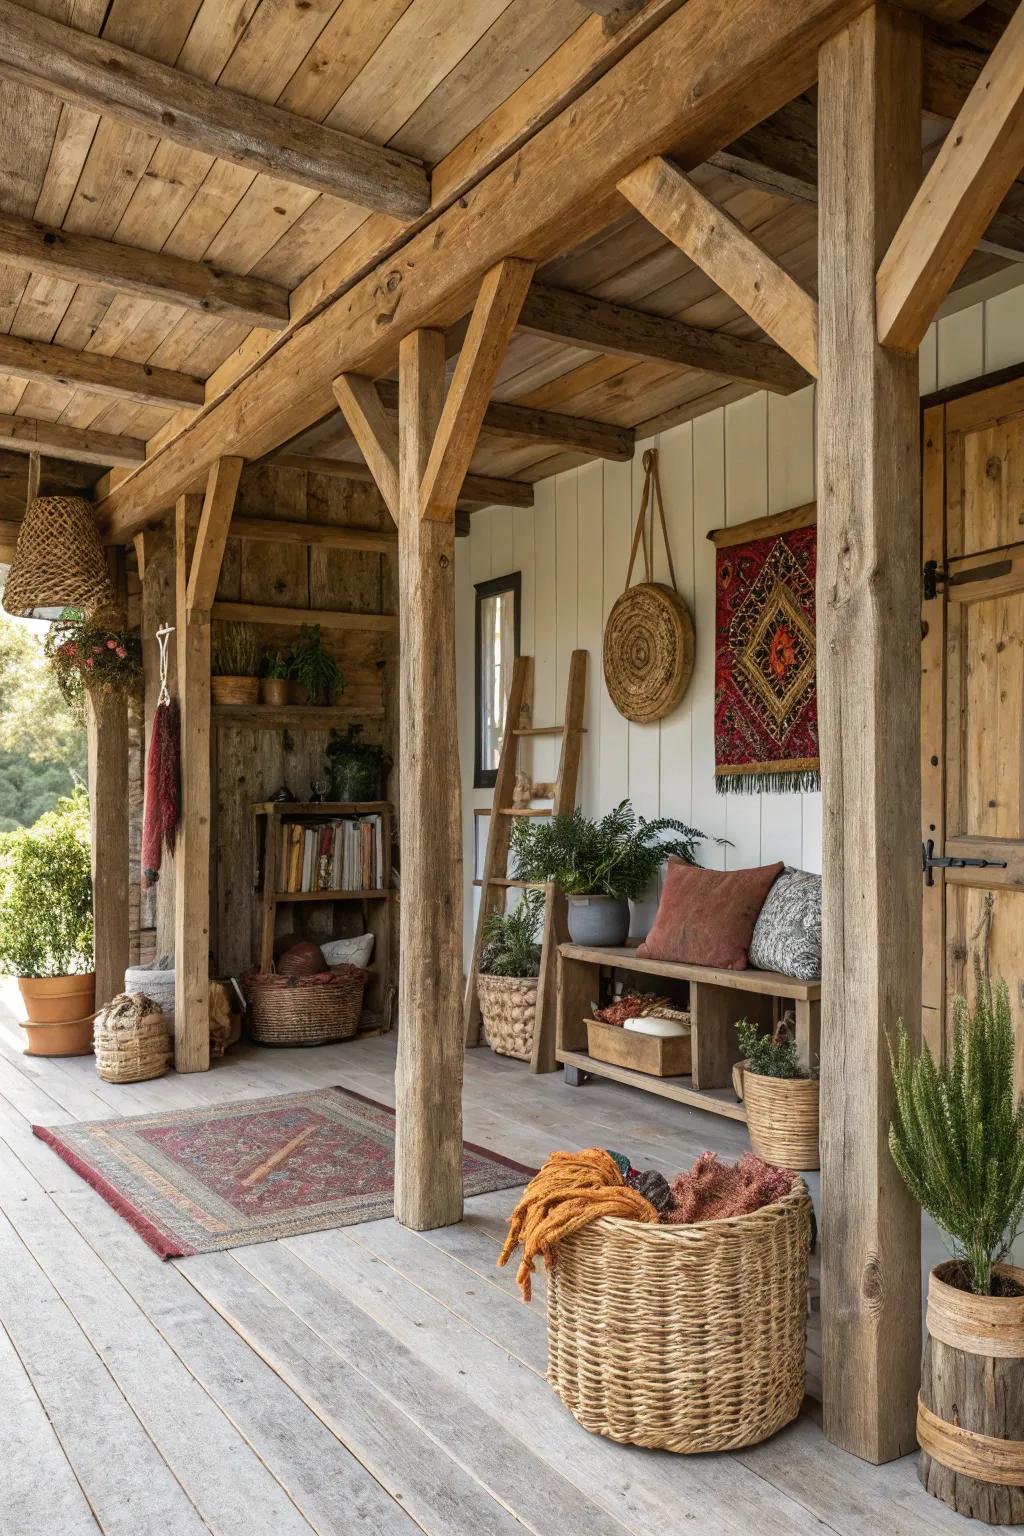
{"x":747,"y":460}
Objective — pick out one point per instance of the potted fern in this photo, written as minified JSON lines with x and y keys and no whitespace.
{"x":234,"y":664}
{"x":600,"y":865}
{"x":507,"y":976}
{"x":958,"y":1141}
{"x":781,"y":1096}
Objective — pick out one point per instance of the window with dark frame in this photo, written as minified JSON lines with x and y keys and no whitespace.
{"x":497,"y":646}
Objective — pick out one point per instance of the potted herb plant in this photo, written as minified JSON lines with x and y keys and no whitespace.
{"x":781,"y":1097}
{"x":507,"y":977}
{"x":958,"y":1141}
{"x":600,"y":865}
{"x":92,"y":657}
{"x":315,"y":675}
{"x":234,"y":664}
{"x":46,"y":926}
{"x":274,"y":677}
{"x":356,"y":767}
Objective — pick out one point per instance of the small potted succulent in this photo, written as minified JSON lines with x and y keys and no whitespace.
{"x":234,"y":664}
{"x":46,"y":926}
{"x":781,"y":1096}
{"x":958,"y":1141}
{"x":274,"y":677}
{"x":315,"y":675}
{"x":356,"y":767}
{"x":507,"y":977}
{"x":600,"y":865}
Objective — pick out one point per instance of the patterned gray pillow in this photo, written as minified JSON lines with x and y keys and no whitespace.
{"x":787,"y":935}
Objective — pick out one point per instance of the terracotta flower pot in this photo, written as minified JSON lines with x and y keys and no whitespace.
{"x":274,"y":690}
{"x":58,"y":999}
{"x":782,"y":1118}
{"x":970,"y":1413}
{"x":72,"y":1037}
{"x":235,"y":690}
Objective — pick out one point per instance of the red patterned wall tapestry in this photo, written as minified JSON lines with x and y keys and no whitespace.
{"x":766,"y":705}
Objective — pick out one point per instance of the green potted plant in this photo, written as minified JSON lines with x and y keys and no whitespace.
{"x":234,"y":664}
{"x":90,"y":657}
{"x":958,"y":1140}
{"x":600,"y":865}
{"x":507,"y":976}
{"x":315,"y":674}
{"x":46,"y":926}
{"x":274,"y":677}
{"x":781,"y":1096}
{"x":356,"y":767}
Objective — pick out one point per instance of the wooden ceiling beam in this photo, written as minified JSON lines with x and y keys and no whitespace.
{"x":729,"y":254}
{"x":42,"y":363}
{"x":100,"y":76}
{"x":269,"y":530}
{"x":594,"y":439}
{"x":83,"y":445}
{"x":148,"y":274}
{"x":478,"y":490}
{"x":976,"y":164}
{"x":584,"y":321}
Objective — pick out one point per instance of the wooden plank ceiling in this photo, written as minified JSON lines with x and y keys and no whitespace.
{"x":417,"y":76}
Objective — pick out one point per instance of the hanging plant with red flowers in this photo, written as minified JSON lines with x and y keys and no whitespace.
{"x":90,"y":656}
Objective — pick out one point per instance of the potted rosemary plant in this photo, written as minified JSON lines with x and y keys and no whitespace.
{"x":958,"y":1141}
{"x":781,"y":1097}
{"x":600,"y":865}
{"x":234,"y":664}
{"x":274,"y":677}
{"x":316,"y":676}
{"x":46,"y":926}
{"x":507,"y":977}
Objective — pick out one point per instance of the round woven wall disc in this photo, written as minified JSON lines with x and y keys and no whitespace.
{"x":648,"y":652}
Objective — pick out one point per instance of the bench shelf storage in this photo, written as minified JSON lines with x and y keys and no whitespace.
{"x":718,"y":999}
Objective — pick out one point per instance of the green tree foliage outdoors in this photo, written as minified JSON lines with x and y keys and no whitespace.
{"x":46,"y":893}
{"x":42,"y":746}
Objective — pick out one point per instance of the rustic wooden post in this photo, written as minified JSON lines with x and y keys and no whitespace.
{"x":106,"y":716}
{"x":869,"y":482}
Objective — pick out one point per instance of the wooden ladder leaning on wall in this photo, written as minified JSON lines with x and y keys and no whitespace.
{"x":495,"y":881}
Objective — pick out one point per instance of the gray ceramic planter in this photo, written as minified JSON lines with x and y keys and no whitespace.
{"x":598,"y":920}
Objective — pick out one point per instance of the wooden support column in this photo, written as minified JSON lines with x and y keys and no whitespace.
{"x":201,"y":522}
{"x":869,"y":574}
{"x":106,"y":718}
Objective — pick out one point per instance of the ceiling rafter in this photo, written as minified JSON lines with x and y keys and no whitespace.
{"x":42,"y":363}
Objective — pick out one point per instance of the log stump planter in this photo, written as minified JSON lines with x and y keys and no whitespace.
{"x":970,"y":1412}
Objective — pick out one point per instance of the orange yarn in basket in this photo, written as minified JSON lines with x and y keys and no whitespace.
{"x":570,"y":1191}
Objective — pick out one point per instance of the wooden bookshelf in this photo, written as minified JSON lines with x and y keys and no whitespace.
{"x":375,"y":901}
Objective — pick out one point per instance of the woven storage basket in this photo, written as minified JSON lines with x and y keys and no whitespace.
{"x":508,"y":1007}
{"x":683,"y":1338}
{"x":235,"y":690}
{"x":131,"y":1040}
{"x":305,"y":1010}
{"x":782,"y":1118}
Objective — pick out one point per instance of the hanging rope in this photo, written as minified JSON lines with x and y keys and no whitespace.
{"x":643,"y":534}
{"x":160,"y":816}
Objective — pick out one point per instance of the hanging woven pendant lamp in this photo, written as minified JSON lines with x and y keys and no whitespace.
{"x":58,"y":561}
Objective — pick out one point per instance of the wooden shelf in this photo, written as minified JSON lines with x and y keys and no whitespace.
{"x":320,"y":807}
{"x":720,"y":1101}
{"x":308,"y":717}
{"x":330,"y":895}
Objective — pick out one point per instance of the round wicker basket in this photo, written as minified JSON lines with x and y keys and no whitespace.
{"x":508,"y":1007}
{"x":131,"y":1040}
{"x":305,"y":1010}
{"x":782,"y":1118}
{"x":648,"y":652}
{"x":683,"y":1338}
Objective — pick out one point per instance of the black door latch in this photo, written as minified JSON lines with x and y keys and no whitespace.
{"x":930,"y":862}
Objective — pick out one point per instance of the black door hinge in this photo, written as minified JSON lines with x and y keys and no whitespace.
{"x":933,"y":574}
{"x":930,"y":862}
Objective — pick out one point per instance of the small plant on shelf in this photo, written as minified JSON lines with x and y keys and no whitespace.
{"x":234,"y":664}
{"x":356,"y":767}
{"x":274,"y":677}
{"x":511,"y":942}
{"x":313,"y":669}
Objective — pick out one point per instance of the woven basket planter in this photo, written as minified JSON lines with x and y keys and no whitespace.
{"x":508,"y":1007}
{"x":235,"y":690}
{"x":782,"y":1118}
{"x":683,"y":1338}
{"x":305,"y":1010}
{"x":131,"y":1047}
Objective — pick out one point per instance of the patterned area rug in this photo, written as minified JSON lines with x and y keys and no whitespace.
{"x":195,"y":1180}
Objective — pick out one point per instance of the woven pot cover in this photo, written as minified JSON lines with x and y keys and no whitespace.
{"x":648,"y":651}
{"x":59,"y":561}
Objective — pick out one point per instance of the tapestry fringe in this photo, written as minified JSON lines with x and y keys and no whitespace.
{"x":768,"y":783}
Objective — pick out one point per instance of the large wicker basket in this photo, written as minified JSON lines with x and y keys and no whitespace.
{"x":305,"y":1010}
{"x":684,"y":1338}
{"x":131,"y":1040}
{"x":508,"y":1008}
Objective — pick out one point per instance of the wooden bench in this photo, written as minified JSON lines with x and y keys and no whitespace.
{"x":718,"y":999}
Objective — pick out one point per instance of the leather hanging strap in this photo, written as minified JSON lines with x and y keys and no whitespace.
{"x":643,"y":534}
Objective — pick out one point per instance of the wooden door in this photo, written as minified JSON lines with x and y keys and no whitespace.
{"x":973,"y":702}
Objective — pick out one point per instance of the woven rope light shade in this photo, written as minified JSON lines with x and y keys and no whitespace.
{"x":58,"y":561}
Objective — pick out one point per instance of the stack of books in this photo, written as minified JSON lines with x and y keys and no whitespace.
{"x":345,"y":854}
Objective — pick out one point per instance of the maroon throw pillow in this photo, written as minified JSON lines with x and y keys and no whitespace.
{"x":707,"y":916}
